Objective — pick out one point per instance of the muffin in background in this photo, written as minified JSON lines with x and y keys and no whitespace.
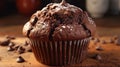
{"x":59,"y":34}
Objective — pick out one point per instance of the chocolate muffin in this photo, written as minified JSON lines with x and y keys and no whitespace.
{"x":59,"y":34}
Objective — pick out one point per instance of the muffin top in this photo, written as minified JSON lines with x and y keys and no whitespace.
{"x":60,"y":21}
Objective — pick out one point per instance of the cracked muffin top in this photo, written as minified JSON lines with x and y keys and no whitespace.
{"x":59,"y":21}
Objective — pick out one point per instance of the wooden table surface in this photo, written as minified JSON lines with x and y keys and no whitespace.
{"x":110,"y":56}
{"x":106,"y":27}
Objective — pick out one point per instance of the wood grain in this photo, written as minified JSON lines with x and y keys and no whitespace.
{"x":110,"y":56}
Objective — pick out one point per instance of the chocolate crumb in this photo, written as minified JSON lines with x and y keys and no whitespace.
{"x":26,"y":43}
{"x":10,"y":48}
{"x":30,"y":63}
{"x":117,"y":42}
{"x":115,"y":37}
{"x":103,"y":42}
{"x":28,"y":48}
{"x":21,"y":50}
{"x":5,"y":42}
{"x":92,"y":38}
{"x":111,"y":41}
{"x":97,"y":40}
{"x":10,"y":37}
{"x":11,"y":44}
{"x":16,"y":47}
{"x":20,"y":59}
{"x":96,"y":56}
{"x":99,"y":48}
{"x":0,"y":59}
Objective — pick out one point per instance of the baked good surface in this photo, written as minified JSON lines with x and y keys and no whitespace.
{"x":60,"y":21}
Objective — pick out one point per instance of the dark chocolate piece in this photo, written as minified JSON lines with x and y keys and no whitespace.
{"x":10,"y":48}
{"x":28,"y":48}
{"x":117,"y":42}
{"x":20,"y":59}
{"x":21,"y":50}
{"x":0,"y":59}
{"x":11,"y":44}
{"x":97,"y":40}
{"x":103,"y":42}
{"x":5,"y":42}
{"x":97,"y":57}
{"x":99,"y":48}
{"x":26,"y":43}
{"x":115,"y":37}
{"x":10,"y":37}
{"x":92,"y":38}
{"x":111,"y":41}
{"x":16,"y":47}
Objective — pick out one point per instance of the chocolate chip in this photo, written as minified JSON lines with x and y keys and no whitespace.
{"x":16,"y":47}
{"x":96,"y":40}
{"x":115,"y":37}
{"x":30,"y":63}
{"x":20,"y":59}
{"x":117,"y":42}
{"x":21,"y":50}
{"x":99,"y":48}
{"x":28,"y":48}
{"x":92,"y":38}
{"x":26,"y":43}
{"x":103,"y":42}
{"x":34,"y":20}
{"x":11,"y":44}
{"x":10,"y":37}
{"x":0,"y":59}
{"x":10,"y":48}
{"x":5,"y":42}
{"x":111,"y":41}
{"x":96,"y":56}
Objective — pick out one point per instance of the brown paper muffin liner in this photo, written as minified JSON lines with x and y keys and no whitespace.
{"x":58,"y":53}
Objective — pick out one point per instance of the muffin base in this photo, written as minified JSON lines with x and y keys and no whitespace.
{"x":59,"y":53}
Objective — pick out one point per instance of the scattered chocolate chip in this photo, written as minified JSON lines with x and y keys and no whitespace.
{"x":20,"y":59}
{"x":115,"y":37}
{"x":5,"y":42}
{"x":10,"y":48}
{"x":0,"y":59}
{"x":34,"y":20}
{"x":30,"y":63}
{"x":26,"y":43}
{"x":95,"y":43}
{"x":21,"y":50}
{"x":28,"y":48}
{"x":96,"y":40}
{"x":96,"y":56}
{"x":10,"y":37}
{"x":11,"y":44}
{"x":111,"y":41}
{"x":103,"y":42}
{"x":92,"y":38}
{"x":117,"y":42}
{"x":16,"y":47}
{"x":99,"y":48}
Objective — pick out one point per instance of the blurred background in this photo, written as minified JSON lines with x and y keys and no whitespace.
{"x":15,"y":13}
